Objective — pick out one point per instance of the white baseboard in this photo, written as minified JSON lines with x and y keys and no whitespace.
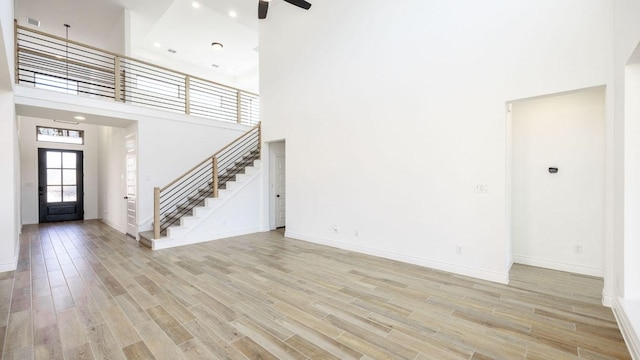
{"x":558,"y":265}
{"x":483,"y":274}
{"x":627,"y":314}
{"x":166,"y":243}
{"x":10,"y":266}
{"x":607,"y":299}
{"x":114,"y":225}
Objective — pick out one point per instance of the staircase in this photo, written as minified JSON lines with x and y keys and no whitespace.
{"x":184,"y":210}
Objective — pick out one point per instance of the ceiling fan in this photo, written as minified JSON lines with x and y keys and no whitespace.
{"x":263,"y":6}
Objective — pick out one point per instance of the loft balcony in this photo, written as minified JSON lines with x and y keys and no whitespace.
{"x":53,"y":63}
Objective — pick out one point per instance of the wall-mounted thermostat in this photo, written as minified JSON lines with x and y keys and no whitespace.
{"x":553,"y":170}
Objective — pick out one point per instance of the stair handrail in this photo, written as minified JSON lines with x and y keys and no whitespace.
{"x":196,"y":179}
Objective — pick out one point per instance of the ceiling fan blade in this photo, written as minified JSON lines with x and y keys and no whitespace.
{"x":300,"y":3}
{"x":263,"y":6}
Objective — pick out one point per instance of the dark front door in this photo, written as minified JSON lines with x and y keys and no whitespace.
{"x":60,"y":181}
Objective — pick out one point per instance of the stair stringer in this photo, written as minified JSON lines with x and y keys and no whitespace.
{"x":236,"y":211}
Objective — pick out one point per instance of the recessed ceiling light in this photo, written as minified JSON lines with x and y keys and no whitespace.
{"x":156,"y":44}
{"x":217,"y":46}
{"x":233,"y":14}
{"x":79,"y":117}
{"x":195,"y":4}
{"x":67,"y":122}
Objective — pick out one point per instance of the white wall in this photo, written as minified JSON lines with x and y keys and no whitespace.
{"x":29,"y":169}
{"x":7,"y":70}
{"x":115,"y":42}
{"x":111,"y":177}
{"x":627,"y":39}
{"x":553,"y":214}
{"x":627,"y":306}
{"x":623,"y":284}
{"x":632,"y":179}
{"x":9,"y":178}
{"x":393,"y":113}
{"x":9,"y":206}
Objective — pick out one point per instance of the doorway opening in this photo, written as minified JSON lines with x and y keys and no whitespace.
{"x":60,"y":185}
{"x":556,"y":181}
{"x":131,"y":164}
{"x":277,"y":185}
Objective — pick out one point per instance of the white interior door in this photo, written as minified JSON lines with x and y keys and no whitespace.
{"x":280,"y":191}
{"x":132,"y":184}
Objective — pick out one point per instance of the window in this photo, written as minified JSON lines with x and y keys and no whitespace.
{"x":62,"y":177}
{"x":56,"y":135}
{"x":54,"y":83}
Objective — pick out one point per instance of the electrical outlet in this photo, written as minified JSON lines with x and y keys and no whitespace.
{"x":459,"y":250}
{"x":335,"y":228}
{"x":356,"y":233}
{"x":578,"y":249}
{"x":481,"y":188}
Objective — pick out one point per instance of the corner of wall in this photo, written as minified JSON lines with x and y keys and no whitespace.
{"x":11,"y":266}
{"x":607,"y":299}
{"x":627,"y":313}
{"x":558,"y":265}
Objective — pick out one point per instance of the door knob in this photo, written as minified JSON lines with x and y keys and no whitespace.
{"x":126,"y":197}
{"x":278,"y":195}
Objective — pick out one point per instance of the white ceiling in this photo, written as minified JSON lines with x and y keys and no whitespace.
{"x":192,"y":38}
{"x":174,"y":24}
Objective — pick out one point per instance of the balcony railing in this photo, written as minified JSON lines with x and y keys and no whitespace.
{"x":51,"y":62}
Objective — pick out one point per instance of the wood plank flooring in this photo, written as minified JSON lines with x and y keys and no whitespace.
{"x":84,"y":291}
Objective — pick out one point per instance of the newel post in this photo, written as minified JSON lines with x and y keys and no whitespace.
{"x":156,"y":213}
{"x":187,"y":95}
{"x":239,"y":106}
{"x":260,"y":139}
{"x":117,"y":92}
{"x":214,"y":183}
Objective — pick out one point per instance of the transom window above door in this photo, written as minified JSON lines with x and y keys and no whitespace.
{"x":57,"y":135}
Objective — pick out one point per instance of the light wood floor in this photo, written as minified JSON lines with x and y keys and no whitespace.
{"x":84,"y":291}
